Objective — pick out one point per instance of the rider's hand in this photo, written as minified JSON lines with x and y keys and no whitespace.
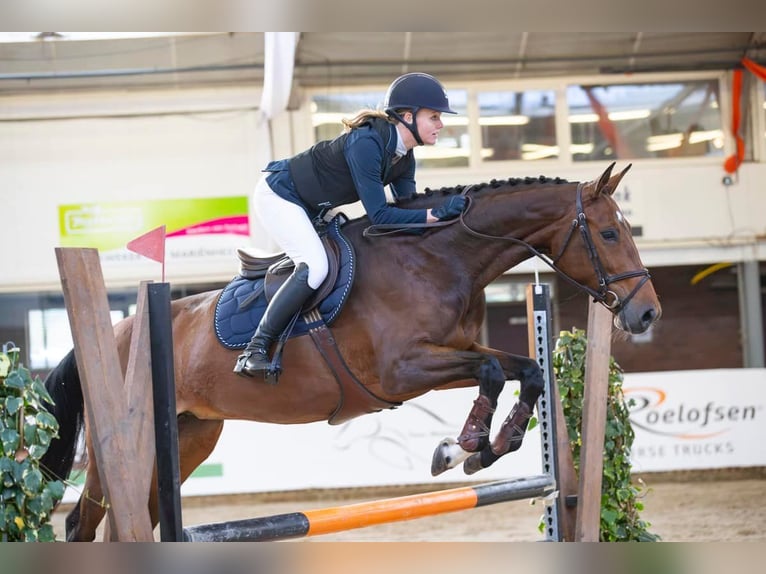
{"x":450,"y":209}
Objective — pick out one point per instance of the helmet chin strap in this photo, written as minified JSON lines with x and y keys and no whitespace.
{"x":410,"y":126}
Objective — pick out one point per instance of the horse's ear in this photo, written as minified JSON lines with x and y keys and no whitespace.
{"x":603,"y":181}
{"x":615,"y":180}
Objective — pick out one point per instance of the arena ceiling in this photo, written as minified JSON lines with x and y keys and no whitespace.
{"x":62,"y":61}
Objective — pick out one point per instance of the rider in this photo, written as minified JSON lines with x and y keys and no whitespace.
{"x":375,"y":150}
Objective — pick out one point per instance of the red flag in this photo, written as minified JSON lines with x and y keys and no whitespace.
{"x":150,"y":244}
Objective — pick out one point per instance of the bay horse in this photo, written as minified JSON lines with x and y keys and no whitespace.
{"x":410,"y":325}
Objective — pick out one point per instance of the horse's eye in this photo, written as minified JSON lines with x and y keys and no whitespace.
{"x":610,"y":235}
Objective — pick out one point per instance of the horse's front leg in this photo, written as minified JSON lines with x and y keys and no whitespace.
{"x":511,"y":433}
{"x":474,"y":436}
{"x":473,"y":445}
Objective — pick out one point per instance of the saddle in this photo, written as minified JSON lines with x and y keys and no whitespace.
{"x":275,"y":269}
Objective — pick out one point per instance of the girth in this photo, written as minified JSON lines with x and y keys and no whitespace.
{"x":355,"y":399}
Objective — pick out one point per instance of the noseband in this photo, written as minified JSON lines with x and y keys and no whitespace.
{"x":603,"y":294}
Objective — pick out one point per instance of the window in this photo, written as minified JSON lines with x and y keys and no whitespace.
{"x":660,"y":120}
{"x":50,"y":338}
{"x":647,"y":120}
{"x":327,"y":111}
{"x":452,"y":150}
{"x":39,"y":325}
{"x":518,"y":125}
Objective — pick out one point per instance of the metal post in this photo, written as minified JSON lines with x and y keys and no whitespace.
{"x":751,"y":313}
{"x":540,"y":340}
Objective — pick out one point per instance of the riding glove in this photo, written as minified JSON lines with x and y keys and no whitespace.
{"x":450,"y":209}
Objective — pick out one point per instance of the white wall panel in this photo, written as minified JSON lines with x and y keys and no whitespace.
{"x":50,"y":162}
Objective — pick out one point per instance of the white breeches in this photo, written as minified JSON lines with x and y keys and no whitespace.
{"x":289,"y":226}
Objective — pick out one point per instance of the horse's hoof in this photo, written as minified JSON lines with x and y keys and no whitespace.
{"x":472,"y":464}
{"x":447,"y":455}
{"x":442,"y":459}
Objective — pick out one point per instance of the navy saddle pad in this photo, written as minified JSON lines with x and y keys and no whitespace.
{"x":235,"y":326}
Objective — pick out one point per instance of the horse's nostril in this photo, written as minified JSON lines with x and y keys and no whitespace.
{"x":648,"y":317}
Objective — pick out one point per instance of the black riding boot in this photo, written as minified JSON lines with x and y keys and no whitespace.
{"x":286,"y":302}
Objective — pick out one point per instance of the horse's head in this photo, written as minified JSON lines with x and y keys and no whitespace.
{"x":597,"y":250}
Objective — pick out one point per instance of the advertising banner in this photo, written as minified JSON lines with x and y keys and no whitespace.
{"x":687,"y":420}
{"x":196,"y":228}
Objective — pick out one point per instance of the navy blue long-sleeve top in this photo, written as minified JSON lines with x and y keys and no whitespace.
{"x":355,"y":166}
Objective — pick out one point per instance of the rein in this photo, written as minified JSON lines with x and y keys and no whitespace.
{"x":603,"y":294}
{"x":381,"y":229}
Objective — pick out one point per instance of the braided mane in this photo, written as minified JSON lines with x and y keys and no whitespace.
{"x":493,"y":184}
{"x":421,"y":199}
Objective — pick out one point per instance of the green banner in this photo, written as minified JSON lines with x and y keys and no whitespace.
{"x":111,"y":225}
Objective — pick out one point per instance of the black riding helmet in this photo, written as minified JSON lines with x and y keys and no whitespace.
{"x":412,"y":92}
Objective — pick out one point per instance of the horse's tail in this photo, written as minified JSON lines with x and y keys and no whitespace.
{"x":63,"y":385}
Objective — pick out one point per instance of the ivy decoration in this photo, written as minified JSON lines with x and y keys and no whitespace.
{"x":27,"y":497}
{"x":620,"y":496}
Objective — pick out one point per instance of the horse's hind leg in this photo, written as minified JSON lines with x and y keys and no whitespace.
{"x":475,"y":434}
{"x":511,"y":433}
{"x":83,"y":520}
{"x":196,"y":440}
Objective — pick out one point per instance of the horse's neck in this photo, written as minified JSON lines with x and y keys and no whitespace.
{"x":536,"y":216}
{"x":453,"y":255}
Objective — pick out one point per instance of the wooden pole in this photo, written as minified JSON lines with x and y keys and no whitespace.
{"x":567,"y":479}
{"x":102,"y":385}
{"x":138,"y":391}
{"x":594,"y":423}
{"x":138,"y":395}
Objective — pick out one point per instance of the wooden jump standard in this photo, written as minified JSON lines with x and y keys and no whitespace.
{"x":122,"y":412}
{"x":349,"y":517}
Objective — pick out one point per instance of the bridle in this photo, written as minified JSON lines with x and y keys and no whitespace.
{"x":603,"y":294}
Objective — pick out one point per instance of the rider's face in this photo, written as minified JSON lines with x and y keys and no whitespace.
{"x":429,"y":124}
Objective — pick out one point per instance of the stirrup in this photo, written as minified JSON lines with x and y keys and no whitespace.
{"x":260,"y":364}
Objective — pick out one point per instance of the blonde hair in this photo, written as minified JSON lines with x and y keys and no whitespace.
{"x":362,"y":116}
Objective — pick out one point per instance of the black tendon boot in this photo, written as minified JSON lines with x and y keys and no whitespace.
{"x":287,"y":301}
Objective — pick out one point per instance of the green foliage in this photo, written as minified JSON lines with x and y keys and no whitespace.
{"x":620,"y":500}
{"x":27,"y":498}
